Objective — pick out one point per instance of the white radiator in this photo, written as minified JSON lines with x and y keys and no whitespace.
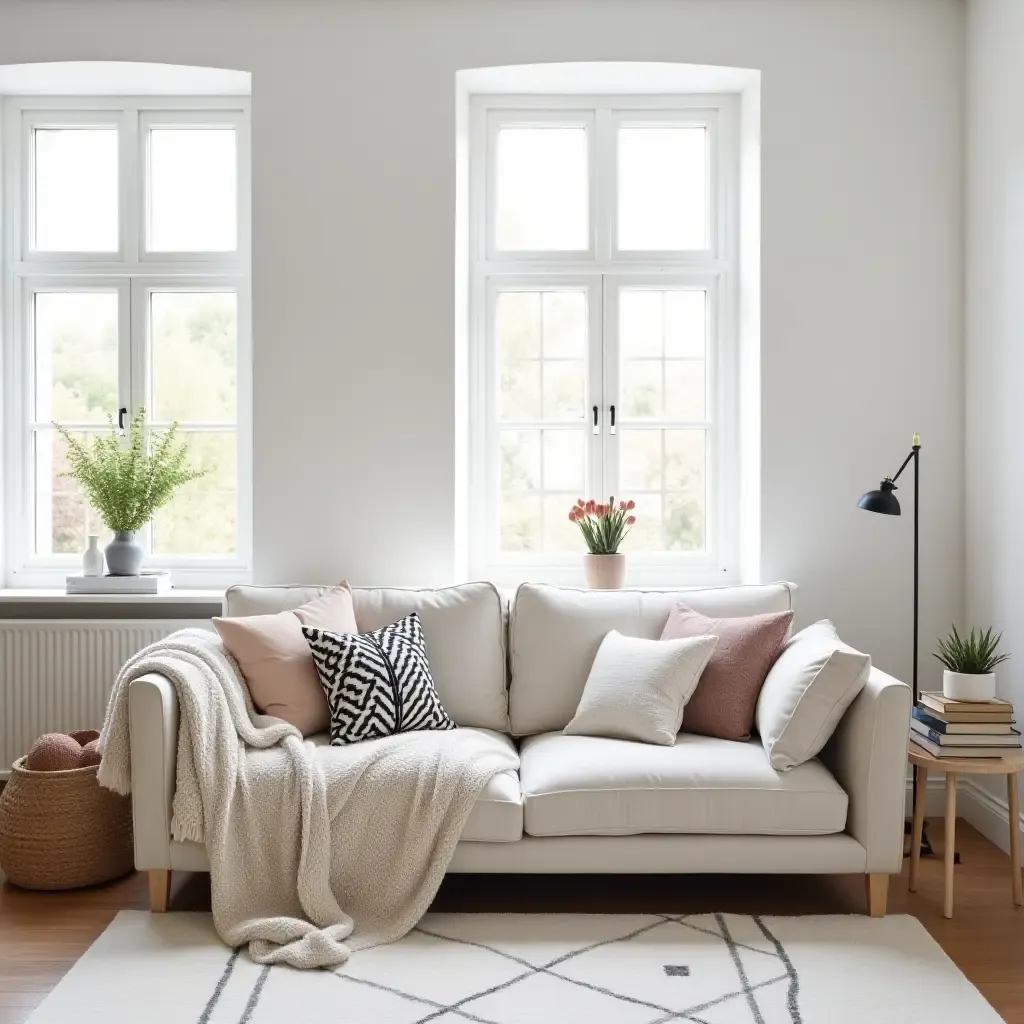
{"x":56,"y":675}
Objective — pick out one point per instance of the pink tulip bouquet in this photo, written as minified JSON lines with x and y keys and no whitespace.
{"x":604,"y":527}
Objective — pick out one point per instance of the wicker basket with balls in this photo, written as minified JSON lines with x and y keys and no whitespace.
{"x":59,"y":829}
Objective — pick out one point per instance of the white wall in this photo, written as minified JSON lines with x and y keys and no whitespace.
{"x":353,"y":240}
{"x":995,"y":333}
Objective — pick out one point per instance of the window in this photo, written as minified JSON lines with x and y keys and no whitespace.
{"x":602,"y":330}
{"x":127,"y":287}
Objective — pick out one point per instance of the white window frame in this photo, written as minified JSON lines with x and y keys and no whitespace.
{"x":601,"y":268}
{"x":134,"y":273}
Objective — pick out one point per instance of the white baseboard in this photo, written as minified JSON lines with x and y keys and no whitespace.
{"x":988,"y":813}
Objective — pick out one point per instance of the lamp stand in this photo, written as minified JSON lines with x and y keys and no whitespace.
{"x":884,"y":501}
{"x":915,"y":457}
{"x":915,"y":454}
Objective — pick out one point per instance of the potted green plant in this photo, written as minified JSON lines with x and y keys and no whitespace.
{"x":970,"y":662}
{"x":604,"y":527}
{"x":126,"y":483}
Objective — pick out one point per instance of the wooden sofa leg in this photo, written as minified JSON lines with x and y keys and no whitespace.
{"x":877,"y":892}
{"x":159,"y":890}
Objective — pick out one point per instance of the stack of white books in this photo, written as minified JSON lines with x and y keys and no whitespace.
{"x":155,"y":582}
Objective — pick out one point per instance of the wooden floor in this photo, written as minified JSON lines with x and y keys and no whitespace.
{"x":43,"y":934}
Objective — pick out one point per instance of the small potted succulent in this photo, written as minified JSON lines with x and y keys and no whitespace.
{"x":604,"y":527}
{"x":126,"y":483}
{"x":970,"y":663}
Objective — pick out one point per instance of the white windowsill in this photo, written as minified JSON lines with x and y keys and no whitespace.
{"x":44,"y":595}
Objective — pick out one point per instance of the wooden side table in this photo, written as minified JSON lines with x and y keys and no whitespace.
{"x":924,"y":763}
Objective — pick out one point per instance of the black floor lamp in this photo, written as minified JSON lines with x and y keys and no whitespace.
{"x":885,"y":502}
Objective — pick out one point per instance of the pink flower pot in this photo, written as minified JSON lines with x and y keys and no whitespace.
{"x":605,"y":572}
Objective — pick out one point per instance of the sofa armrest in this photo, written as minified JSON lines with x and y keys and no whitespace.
{"x":868,"y":756}
{"x":153,"y":727}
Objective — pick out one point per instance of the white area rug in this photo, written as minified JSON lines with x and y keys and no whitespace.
{"x":533,"y":969}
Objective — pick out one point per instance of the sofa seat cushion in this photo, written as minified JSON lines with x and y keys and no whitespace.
{"x":585,"y":785}
{"x":497,"y":815}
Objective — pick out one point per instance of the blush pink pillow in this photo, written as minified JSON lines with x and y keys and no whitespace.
{"x":275,"y":658}
{"x":725,"y":700}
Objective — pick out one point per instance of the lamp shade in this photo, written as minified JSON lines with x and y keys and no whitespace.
{"x":882,"y":501}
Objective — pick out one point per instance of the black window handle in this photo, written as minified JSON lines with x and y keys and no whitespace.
{"x":595,"y":420}
{"x":121,"y":413}
{"x":611,"y":424}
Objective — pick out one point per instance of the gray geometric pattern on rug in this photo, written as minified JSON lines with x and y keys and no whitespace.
{"x":377,"y":683}
{"x":744,"y":997}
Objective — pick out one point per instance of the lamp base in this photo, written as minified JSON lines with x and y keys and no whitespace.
{"x":926,"y":846}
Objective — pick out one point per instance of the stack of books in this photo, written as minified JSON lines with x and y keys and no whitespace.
{"x":950,"y":728}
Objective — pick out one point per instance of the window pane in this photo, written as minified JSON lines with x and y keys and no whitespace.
{"x":685,"y":323}
{"x":564,"y":385}
{"x":194,"y":356}
{"x":76,"y":190}
{"x":192,"y":190}
{"x":63,"y":516}
{"x":665,"y":472}
{"x":640,"y":461}
{"x":520,"y":460}
{"x":662,"y":187}
{"x":565,"y":325}
{"x":535,"y":332}
{"x":663,"y":375}
{"x":685,"y":461}
{"x":685,"y":490}
{"x":202,"y":518}
{"x":76,"y":356}
{"x":642,"y":389}
{"x":684,"y":389}
{"x":541,"y":338}
{"x":641,"y":322}
{"x":646,"y":534}
{"x":518,"y":325}
{"x":542,"y":190}
{"x":684,"y":523}
{"x":564,"y":462}
{"x":542,"y":474}
{"x":521,"y":521}
{"x":520,"y":390}
{"x":559,"y":534}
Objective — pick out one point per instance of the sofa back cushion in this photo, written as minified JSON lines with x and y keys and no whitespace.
{"x":464,"y":627}
{"x":555,"y":633}
{"x":276,"y":662}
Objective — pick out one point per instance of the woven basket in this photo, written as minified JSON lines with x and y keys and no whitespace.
{"x":61,"y":830}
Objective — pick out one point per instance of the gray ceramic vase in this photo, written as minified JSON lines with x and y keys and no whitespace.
{"x":124,"y":554}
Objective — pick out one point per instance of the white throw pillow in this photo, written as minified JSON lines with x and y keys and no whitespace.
{"x":807,"y":691}
{"x":637,"y":688}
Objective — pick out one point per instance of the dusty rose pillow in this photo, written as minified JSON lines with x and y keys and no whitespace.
{"x":275,"y":658}
{"x":725,"y":700}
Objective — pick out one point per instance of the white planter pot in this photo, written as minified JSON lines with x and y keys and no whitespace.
{"x":605,"y":572}
{"x":967,"y":687}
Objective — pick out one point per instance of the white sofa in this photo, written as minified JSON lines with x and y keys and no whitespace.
{"x":582,"y":804}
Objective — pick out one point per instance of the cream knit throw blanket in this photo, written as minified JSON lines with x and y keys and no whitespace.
{"x":314,"y":851}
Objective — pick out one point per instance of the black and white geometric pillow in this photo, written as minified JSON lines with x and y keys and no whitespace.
{"x":377,"y":684}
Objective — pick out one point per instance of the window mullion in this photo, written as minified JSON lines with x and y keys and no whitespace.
{"x":138,"y":361}
{"x":137,"y":347}
{"x":603,"y":185}
{"x":131,"y":190}
{"x":595,"y":388}
{"x":610,"y":371}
